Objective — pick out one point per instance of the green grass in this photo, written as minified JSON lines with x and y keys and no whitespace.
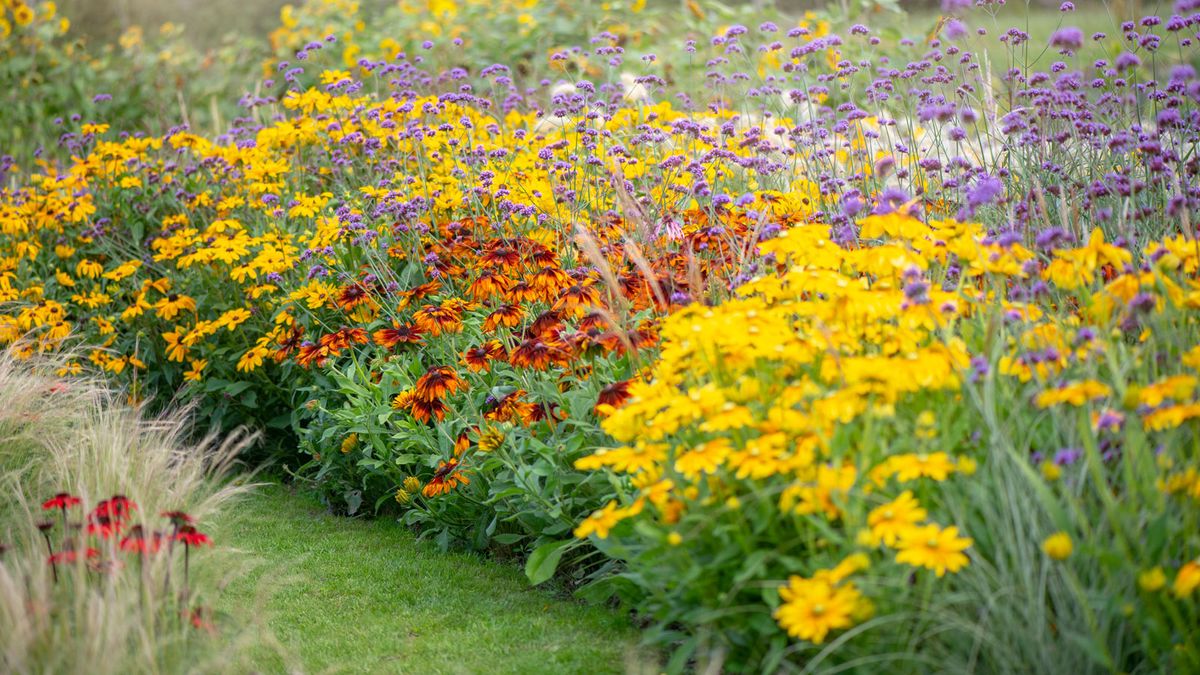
{"x":346,"y":595}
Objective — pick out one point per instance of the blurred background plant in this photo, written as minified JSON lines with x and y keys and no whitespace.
{"x":93,"y":584}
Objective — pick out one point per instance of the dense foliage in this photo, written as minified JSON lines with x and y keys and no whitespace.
{"x":819,"y":345}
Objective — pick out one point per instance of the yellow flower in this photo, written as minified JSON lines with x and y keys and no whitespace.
{"x":813,"y":607}
{"x":1076,"y":394}
{"x":349,"y":443}
{"x":601,"y":522}
{"x":1152,"y":580}
{"x":1187,"y":579}
{"x":490,"y":439}
{"x":412,"y":484}
{"x":196,"y":372}
{"x":252,"y":359}
{"x":887,"y":522}
{"x":703,"y":459}
{"x":170,"y":306}
{"x":1051,"y":471}
{"x":934,"y":548}
{"x":1058,"y":546}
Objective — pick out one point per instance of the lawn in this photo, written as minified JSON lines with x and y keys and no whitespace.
{"x":346,"y":595}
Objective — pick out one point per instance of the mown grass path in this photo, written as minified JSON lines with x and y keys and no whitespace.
{"x":350,"y":595}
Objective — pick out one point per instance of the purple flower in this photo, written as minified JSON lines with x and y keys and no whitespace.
{"x":985,"y":191}
{"x":955,"y":30}
{"x":1067,"y":456}
{"x":1067,"y":38}
{"x":1127,"y":60}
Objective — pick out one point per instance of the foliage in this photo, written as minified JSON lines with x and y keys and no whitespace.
{"x":856,"y":348}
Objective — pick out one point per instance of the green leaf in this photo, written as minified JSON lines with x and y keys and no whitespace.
{"x":543,"y":562}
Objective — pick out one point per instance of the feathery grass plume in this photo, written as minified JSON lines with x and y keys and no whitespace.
{"x":133,"y":612}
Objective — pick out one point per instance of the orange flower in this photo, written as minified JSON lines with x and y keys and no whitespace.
{"x":397,"y":334}
{"x":489,"y":284}
{"x":447,"y":477}
{"x":504,"y":315}
{"x":477,"y":358}
{"x":423,"y":411}
{"x":538,"y":354}
{"x":578,"y":296}
{"x":310,"y":354}
{"x":549,"y":280}
{"x":438,"y":382}
{"x":613,"y":396}
{"x":289,"y":344}
{"x":522,"y":291}
{"x":437,"y":320}
{"x":424,"y":290}
{"x":547,"y":324}
{"x":343,"y":338}
{"x":352,"y":296}
{"x":501,"y":256}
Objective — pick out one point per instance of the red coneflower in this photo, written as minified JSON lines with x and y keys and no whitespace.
{"x":201,"y":619}
{"x":62,"y":501}
{"x":104,"y":527}
{"x":117,"y":507}
{"x":178,"y":518}
{"x":137,"y":541}
{"x":438,"y":382}
{"x":190,"y":536}
{"x":397,"y":334}
{"x":70,"y":556}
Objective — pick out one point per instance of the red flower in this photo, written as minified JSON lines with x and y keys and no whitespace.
{"x":62,"y":500}
{"x":104,"y":527}
{"x":190,"y":536}
{"x":116,"y":507}
{"x":137,"y":541}
{"x":178,"y":518}
{"x":70,"y":556}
